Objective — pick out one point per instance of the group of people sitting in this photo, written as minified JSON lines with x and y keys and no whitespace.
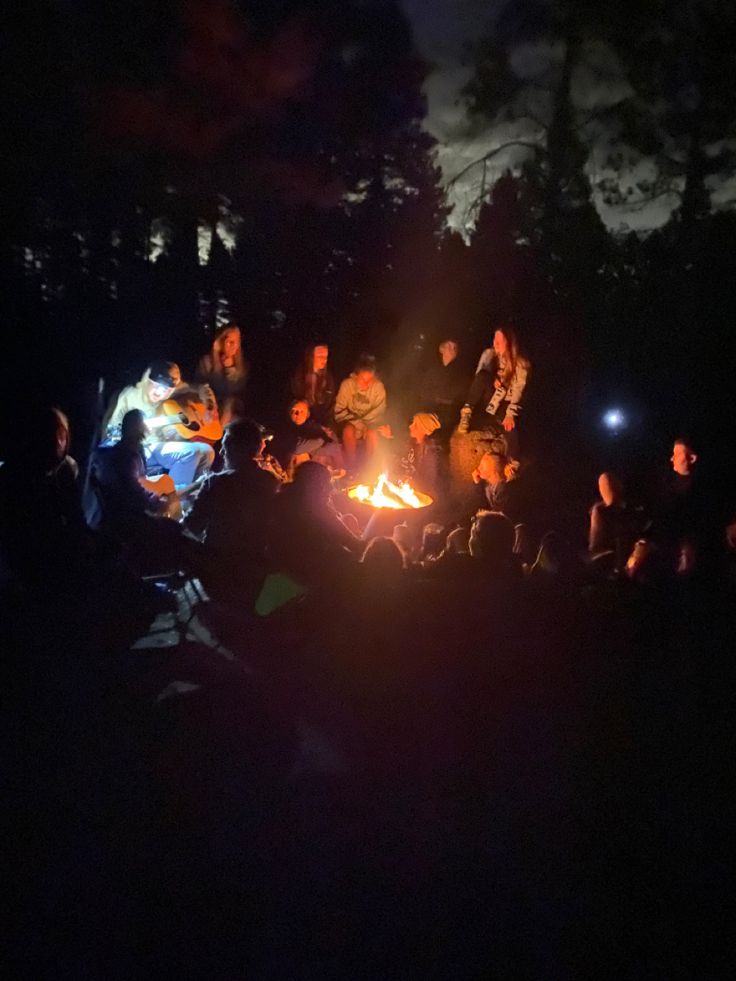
{"x":223,"y":507}
{"x":345,"y":427}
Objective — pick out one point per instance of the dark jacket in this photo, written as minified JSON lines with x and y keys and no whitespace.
{"x":443,"y":385}
{"x":117,"y":472}
{"x":284,"y":446}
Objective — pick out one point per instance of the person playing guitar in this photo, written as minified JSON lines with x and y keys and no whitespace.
{"x":182,"y":423}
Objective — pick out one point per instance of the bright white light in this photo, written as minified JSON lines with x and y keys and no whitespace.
{"x":614,"y":419}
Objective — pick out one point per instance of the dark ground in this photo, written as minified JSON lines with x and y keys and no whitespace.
{"x":535,"y":790}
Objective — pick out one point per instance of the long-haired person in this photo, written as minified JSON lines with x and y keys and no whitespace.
{"x":496,"y":393}
{"x":225,"y":370}
{"x":312,"y":382}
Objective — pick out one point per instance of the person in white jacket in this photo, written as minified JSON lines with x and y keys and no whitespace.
{"x":495,"y":396}
{"x":360,"y":409}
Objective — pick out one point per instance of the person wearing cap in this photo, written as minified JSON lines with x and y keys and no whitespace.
{"x":184,"y":460}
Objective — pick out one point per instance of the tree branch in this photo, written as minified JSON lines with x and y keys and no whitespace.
{"x":492,"y":153}
{"x":645,"y":201}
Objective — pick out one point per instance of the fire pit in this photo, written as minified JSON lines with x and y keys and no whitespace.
{"x":385,"y":493}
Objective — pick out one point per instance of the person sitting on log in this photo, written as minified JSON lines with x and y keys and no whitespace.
{"x":496,"y":392}
{"x":498,"y":474}
{"x":443,"y":386}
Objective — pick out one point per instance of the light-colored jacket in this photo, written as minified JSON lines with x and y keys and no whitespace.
{"x":136,"y":397}
{"x":355,"y":405}
{"x":511,"y":393}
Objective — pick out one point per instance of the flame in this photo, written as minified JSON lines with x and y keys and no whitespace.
{"x":399,"y":496}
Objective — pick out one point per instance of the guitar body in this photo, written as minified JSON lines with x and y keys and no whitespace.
{"x":159,"y":485}
{"x":183,"y":418}
{"x":162,"y":486}
{"x":197,"y":428}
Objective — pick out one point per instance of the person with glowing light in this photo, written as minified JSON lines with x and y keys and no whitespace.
{"x":496,"y":392}
{"x":360,"y":409}
{"x":225,"y":370}
{"x":184,"y":460}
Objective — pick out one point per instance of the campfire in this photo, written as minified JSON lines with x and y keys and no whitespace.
{"x":387,"y":494}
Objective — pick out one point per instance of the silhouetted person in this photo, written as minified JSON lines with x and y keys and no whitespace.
{"x":443,"y":387}
{"x":614,"y":526}
{"x":382,"y":563}
{"x":310,"y":541}
{"x":232,"y":515}
{"x":44,"y":541}
{"x":132,"y":514}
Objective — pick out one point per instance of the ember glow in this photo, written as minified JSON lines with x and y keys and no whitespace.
{"x":386,"y":494}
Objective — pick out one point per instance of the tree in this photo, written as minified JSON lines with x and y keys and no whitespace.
{"x":220,"y":155}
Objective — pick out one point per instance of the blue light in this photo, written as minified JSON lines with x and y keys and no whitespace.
{"x":614,"y":419}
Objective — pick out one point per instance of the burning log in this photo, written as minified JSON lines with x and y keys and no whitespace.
{"x":387,"y":494}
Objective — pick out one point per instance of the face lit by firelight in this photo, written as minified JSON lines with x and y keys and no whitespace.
{"x":299,"y":413}
{"x":500,"y":342}
{"x":364,"y":379}
{"x":230,"y":347}
{"x":682,"y":459}
{"x":321,"y":354}
{"x":448,"y":352}
{"x":490,"y":468}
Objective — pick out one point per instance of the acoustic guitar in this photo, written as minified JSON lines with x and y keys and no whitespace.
{"x":186,"y":421}
{"x":163,"y":486}
{"x":177,"y":421}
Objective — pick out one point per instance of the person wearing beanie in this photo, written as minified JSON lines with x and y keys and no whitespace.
{"x":420,"y":462}
{"x":423,"y":425}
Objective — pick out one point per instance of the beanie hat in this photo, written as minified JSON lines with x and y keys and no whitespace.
{"x":427,"y":422}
